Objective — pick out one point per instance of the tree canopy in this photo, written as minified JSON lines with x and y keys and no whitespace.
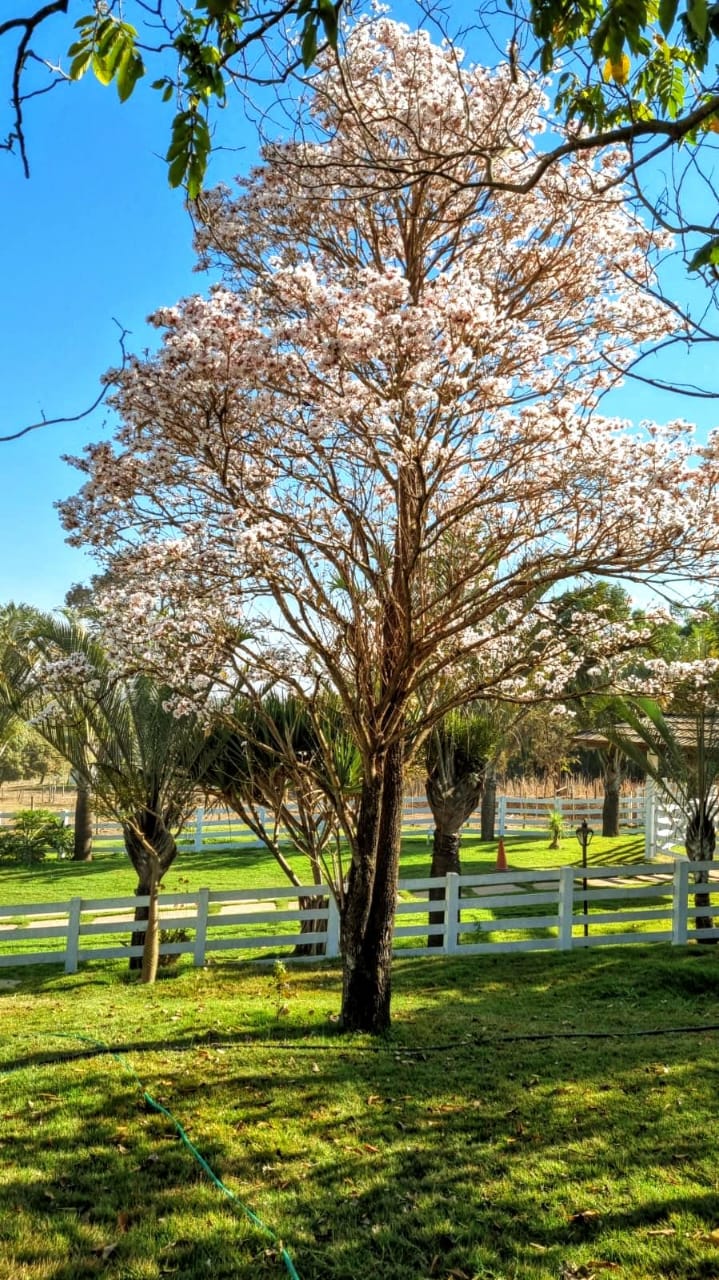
{"x":365,"y":462}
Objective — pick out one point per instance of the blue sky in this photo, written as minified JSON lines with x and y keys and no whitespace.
{"x":94,"y":234}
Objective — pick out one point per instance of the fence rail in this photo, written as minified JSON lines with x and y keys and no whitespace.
{"x":559,"y":909}
{"x":213,"y":827}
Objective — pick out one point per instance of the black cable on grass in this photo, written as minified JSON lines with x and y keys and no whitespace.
{"x":395,"y":1050}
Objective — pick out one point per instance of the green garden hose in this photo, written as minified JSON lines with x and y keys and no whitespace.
{"x":157,"y":1106}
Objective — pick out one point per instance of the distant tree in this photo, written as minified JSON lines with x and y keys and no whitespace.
{"x":122,"y":740}
{"x":680,"y":752}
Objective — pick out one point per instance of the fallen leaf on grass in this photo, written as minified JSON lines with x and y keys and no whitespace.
{"x":367,"y":1146}
{"x":123,"y":1221}
{"x":540,"y":1248}
{"x":661,"y":1231}
{"x":104,"y":1251}
{"x":585,"y":1215}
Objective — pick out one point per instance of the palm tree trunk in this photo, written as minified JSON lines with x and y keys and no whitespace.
{"x":489,"y":802}
{"x":152,"y":849}
{"x":445,"y":858}
{"x":309,"y":927}
{"x":612,"y":786}
{"x":700,"y":843}
{"x":151,"y":949}
{"x":453,"y":796}
{"x":82,"y":850}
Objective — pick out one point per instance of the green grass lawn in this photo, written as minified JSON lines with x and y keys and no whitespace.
{"x":458,"y":1149}
{"x":229,"y":869}
{"x":110,"y":873}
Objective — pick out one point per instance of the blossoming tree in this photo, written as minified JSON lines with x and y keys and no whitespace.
{"x":377,"y":444}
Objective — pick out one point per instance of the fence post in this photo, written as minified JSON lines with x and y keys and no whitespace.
{"x":199,"y":816}
{"x":566,"y":907}
{"x":73,"y":936}
{"x":451,"y":912}
{"x":502,"y":816}
{"x":650,"y":835}
{"x":203,"y":906}
{"x":680,"y":903}
{"x":332,"y":941}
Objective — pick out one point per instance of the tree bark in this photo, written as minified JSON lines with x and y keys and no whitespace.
{"x":700,"y":844}
{"x":452,"y":803}
{"x":445,"y":858}
{"x":368,"y":918}
{"x":489,"y":801}
{"x":82,"y":850}
{"x":612,"y":785}
{"x":152,"y":849}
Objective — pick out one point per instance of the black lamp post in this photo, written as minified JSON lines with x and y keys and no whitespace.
{"x":584,"y":835}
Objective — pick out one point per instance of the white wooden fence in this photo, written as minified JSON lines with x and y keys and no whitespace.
{"x":665,"y":824}
{"x":554,"y":910}
{"x":214,"y":827}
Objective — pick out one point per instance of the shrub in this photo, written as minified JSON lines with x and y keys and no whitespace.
{"x":555,"y":824}
{"x":172,"y":935}
{"x":33,"y":835}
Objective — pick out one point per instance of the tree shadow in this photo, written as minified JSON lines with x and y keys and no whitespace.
{"x":459,"y":1143}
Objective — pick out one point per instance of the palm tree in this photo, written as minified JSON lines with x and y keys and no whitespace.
{"x":122,"y":740}
{"x":456,"y":755}
{"x":290,"y":772}
{"x":681,"y":755}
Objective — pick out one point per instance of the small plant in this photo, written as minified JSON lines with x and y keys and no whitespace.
{"x":172,"y":935}
{"x":33,"y":835}
{"x":555,"y":823}
{"x":282,"y":988}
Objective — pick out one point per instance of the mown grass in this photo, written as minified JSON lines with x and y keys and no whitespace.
{"x":452,"y":1149}
{"x":111,"y":875}
{"x":230,"y":869}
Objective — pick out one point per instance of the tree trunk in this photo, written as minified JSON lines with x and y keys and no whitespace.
{"x":445,"y":858}
{"x":489,"y":802}
{"x":152,"y":850}
{"x":700,"y":843}
{"x":82,"y":850}
{"x":151,"y":948}
{"x":453,"y":799}
{"x":612,"y":785}
{"x":368,"y":918}
{"x":308,"y":927}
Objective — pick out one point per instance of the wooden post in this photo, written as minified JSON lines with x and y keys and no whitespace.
{"x":73,"y":936}
{"x":680,"y":903}
{"x":566,"y":907}
{"x":502,"y":816}
{"x":203,"y":905}
{"x":199,"y":816}
{"x":650,"y":813}
{"x":332,"y":941}
{"x":451,"y":913}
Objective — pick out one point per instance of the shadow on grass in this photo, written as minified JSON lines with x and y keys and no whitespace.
{"x":459,"y":1144}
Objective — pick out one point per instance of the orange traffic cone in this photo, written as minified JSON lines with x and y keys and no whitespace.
{"x":501,"y":864}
